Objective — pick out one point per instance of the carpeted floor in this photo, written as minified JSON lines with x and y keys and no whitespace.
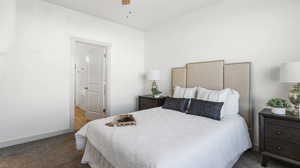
{"x":59,"y":152}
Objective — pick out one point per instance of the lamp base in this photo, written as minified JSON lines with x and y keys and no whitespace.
{"x":155,"y":91}
{"x":296,"y":111}
{"x":294,"y":97}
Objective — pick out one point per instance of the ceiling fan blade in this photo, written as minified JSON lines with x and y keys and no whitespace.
{"x":125,"y":2}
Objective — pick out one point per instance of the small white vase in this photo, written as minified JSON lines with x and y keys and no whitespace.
{"x":279,"y":111}
{"x":157,"y":96}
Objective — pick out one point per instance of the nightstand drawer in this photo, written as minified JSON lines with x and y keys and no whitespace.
{"x":278,"y":122}
{"x":148,"y":103}
{"x":282,"y":133}
{"x":282,"y":130}
{"x":283,"y":148}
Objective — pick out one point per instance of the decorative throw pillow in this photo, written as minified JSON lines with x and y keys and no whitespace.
{"x":178,"y":104}
{"x":207,"y":109}
{"x":214,"y":96}
{"x":179,"y":92}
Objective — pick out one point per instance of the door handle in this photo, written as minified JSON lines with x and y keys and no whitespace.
{"x":86,"y":88}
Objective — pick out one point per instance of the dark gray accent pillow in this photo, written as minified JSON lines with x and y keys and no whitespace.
{"x":178,"y":104}
{"x":206,"y":109}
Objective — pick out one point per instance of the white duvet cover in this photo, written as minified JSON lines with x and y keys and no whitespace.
{"x":168,"y":139}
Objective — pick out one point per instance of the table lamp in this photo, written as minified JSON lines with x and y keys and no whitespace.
{"x":154,"y":75}
{"x":290,"y":73}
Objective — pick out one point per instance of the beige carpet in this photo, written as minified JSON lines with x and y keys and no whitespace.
{"x":59,"y":152}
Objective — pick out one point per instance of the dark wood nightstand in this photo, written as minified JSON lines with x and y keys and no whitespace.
{"x":148,"y":101}
{"x":279,"y":137}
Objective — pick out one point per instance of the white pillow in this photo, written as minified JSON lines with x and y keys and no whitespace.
{"x":190,"y":93}
{"x":212,"y":95}
{"x":202,"y":93}
{"x":215,"y":96}
{"x":231,"y":106}
{"x":179,"y":92}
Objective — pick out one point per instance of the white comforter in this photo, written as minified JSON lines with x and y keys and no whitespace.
{"x":168,"y":139}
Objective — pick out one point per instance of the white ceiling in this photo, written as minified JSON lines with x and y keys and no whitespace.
{"x":145,"y":13}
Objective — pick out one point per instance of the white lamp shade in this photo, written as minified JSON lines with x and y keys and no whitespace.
{"x":153,"y":75}
{"x":290,"y":72}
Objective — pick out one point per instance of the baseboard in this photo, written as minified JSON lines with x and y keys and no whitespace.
{"x":33,"y":138}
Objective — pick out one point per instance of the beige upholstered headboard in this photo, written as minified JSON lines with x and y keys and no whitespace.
{"x":217,"y":75}
{"x":179,"y":77}
{"x":209,"y":75}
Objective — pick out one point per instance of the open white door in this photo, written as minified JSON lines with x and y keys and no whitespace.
{"x":90,"y":79}
{"x":95,"y":89}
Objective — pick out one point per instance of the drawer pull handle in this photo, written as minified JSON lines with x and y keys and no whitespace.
{"x":278,"y":133}
{"x":278,"y":148}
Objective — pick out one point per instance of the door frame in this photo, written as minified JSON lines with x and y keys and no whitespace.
{"x":107,"y":88}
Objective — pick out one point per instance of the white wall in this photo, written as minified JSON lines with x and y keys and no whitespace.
{"x":35,"y":86}
{"x":265,"y":32}
{"x":7,"y":24}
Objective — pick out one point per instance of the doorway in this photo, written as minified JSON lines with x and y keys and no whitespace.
{"x":90,"y":82}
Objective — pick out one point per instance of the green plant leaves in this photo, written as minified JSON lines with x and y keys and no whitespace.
{"x":278,"y":103}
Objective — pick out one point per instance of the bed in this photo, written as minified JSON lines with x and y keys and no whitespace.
{"x":169,"y":139}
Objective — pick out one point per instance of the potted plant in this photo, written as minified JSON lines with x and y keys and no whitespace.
{"x":278,"y":105}
{"x":155,"y":92}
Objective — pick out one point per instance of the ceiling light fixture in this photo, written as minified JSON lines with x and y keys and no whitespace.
{"x":125,"y":2}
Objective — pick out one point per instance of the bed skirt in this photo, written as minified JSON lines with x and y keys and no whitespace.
{"x":94,"y":158}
